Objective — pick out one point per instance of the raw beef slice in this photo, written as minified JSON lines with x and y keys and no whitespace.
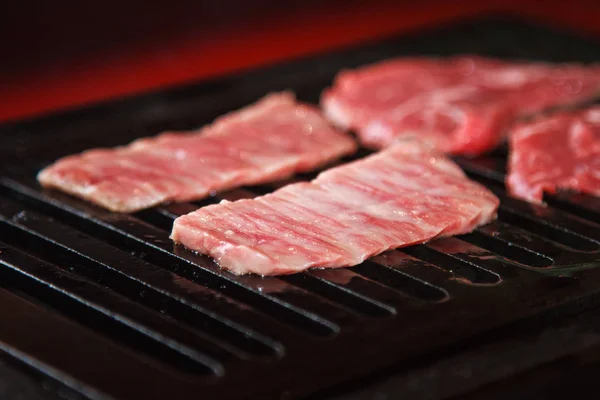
{"x":561,"y":151}
{"x":461,"y":104}
{"x":404,"y":195}
{"x":269,"y":140}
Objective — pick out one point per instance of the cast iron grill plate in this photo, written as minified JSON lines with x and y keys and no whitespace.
{"x":104,"y":305}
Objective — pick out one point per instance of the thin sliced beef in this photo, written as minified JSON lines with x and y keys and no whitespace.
{"x":269,"y":140}
{"x":404,"y":195}
{"x":561,"y":151}
{"x":461,"y":104}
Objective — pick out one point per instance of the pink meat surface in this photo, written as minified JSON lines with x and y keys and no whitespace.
{"x":404,"y":195}
{"x":561,"y":151}
{"x":461,"y":104}
{"x":269,"y":140}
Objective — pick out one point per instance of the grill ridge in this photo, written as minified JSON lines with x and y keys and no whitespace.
{"x":518,"y":255}
{"x":52,"y":383}
{"x":102,"y":320}
{"x":216,"y":326}
{"x":322,"y":296}
{"x":404,"y":282}
{"x":544,"y":229}
{"x":342,"y":294}
{"x":161,"y":254}
{"x":582,"y":206}
{"x":454,"y":265}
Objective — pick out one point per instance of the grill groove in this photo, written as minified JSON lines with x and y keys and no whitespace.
{"x":155,"y":247}
{"x":322,"y":303}
{"x":402,"y":281}
{"x":95,"y":317}
{"x":516,"y":254}
{"x":472,"y":273}
{"x":342,"y":294}
{"x":138,"y":280}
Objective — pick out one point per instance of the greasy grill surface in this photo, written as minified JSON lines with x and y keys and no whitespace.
{"x":105,"y":304}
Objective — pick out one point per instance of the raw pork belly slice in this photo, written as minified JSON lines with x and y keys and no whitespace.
{"x":561,"y":151}
{"x":404,"y":195}
{"x":269,"y":140}
{"x":461,"y":104}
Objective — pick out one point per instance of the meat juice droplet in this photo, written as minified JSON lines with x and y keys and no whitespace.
{"x":20,"y":216}
{"x":468,"y":67}
{"x":564,"y":88}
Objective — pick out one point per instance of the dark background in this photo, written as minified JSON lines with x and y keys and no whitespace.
{"x":62,"y":54}
{"x":38,"y":31}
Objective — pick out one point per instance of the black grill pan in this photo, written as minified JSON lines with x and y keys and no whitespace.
{"x":99,"y":305}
